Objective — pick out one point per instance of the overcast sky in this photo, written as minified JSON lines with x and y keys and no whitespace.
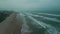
{"x":30,"y":4}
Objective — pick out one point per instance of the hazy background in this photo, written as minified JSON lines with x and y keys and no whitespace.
{"x":30,"y":5}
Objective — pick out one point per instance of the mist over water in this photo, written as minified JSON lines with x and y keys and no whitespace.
{"x":29,"y":5}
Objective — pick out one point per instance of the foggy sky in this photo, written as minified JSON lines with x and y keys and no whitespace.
{"x":30,"y":4}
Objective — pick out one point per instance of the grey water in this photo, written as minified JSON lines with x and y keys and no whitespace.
{"x":33,"y":20}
